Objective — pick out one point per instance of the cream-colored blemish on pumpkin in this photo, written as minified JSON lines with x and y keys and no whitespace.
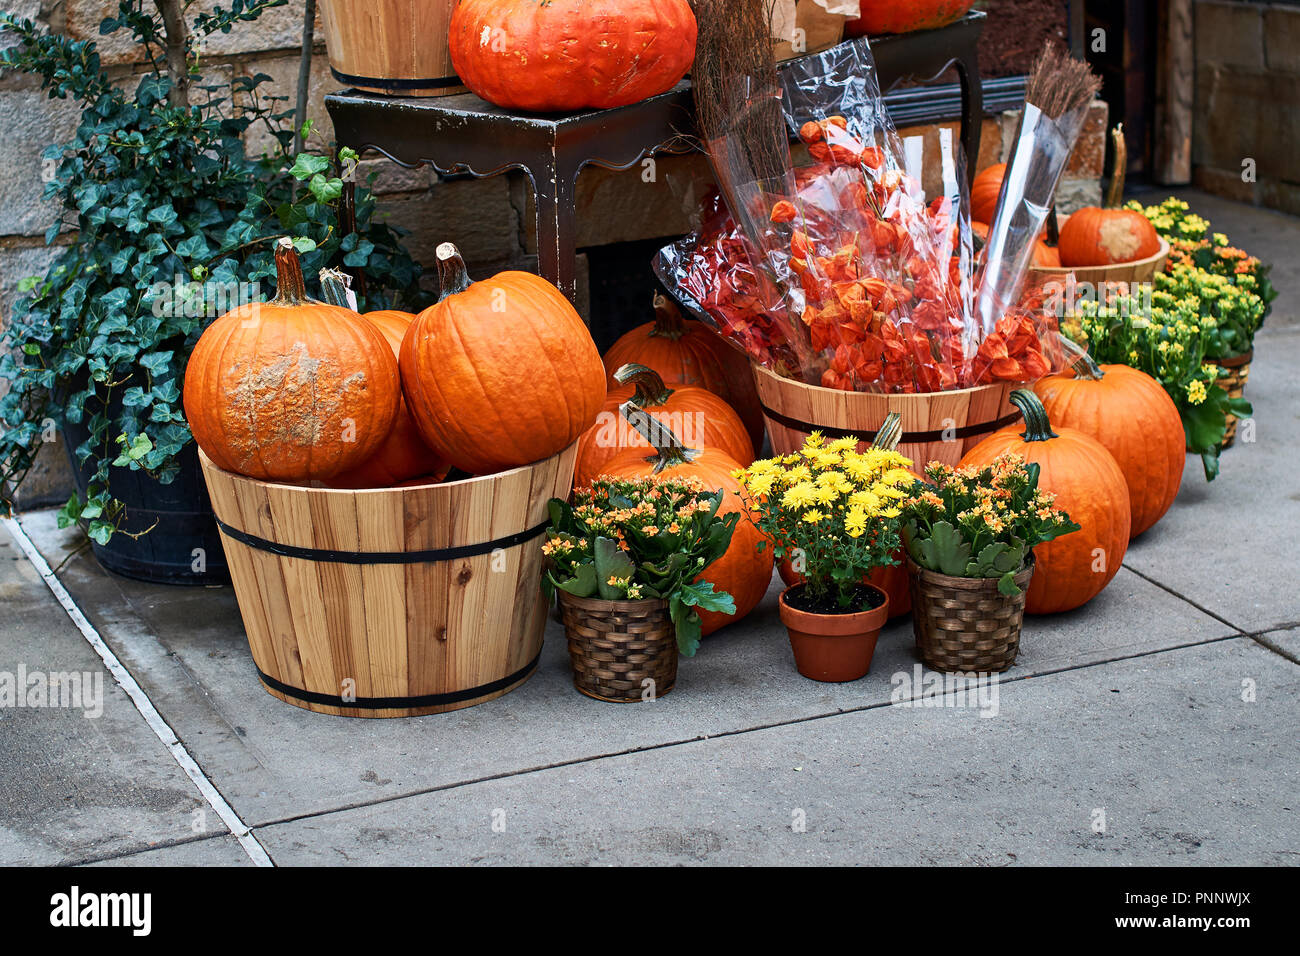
{"x":1118,"y":238}
{"x":305,"y":415}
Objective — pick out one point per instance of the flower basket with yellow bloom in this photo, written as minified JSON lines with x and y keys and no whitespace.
{"x":835,"y":512}
{"x":625,"y":557}
{"x":970,"y":534}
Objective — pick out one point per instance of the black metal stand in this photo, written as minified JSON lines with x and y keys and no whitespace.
{"x":464,"y":134}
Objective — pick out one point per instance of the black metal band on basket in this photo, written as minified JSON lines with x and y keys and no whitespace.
{"x":380,"y":557}
{"x":440,"y":83}
{"x":908,"y":438}
{"x":400,"y":703}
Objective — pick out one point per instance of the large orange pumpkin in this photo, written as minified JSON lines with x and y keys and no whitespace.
{"x":499,"y":373}
{"x":1132,"y":415}
{"x":905,"y":16}
{"x":744,"y":571}
{"x":700,"y":418}
{"x":984,"y":192}
{"x":686,"y":352}
{"x":1105,"y":236}
{"x":403,"y":455}
{"x":564,"y":55}
{"x":1088,"y":484}
{"x":291,"y":389}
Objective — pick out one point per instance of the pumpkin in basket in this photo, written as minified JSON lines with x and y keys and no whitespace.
{"x":699,"y":417}
{"x":403,"y":455}
{"x":687,"y":352}
{"x":565,"y":55}
{"x":499,"y":373}
{"x":1044,"y":255}
{"x":291,"y":389}
{"x":744,"y":571}
{"x":1131,"y":414}
{"x":984,"y":193}
{"x":1088,"y":485}
{"x":1109,"y":235}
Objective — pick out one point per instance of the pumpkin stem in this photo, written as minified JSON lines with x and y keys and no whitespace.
{"x":1086,"y":368}
{"x":891,"y":432}
{"x":334,"y":285}
{"x":1119,"y":170}
{"x":669,"y":323}
{"x":453,"y":277}
{"x":1037,"y":425}
{"x":290,"y":288}
{"x":651,"y":391}
{"x":668,"y":448}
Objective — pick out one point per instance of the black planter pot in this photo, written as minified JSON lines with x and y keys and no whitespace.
{"x":180,"y":514}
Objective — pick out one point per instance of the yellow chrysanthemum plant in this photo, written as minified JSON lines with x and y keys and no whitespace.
{"x":833,"y":510}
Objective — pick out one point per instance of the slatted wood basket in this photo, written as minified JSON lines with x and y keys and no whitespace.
{"x":390,"y":602}
{"x":940,"y":426}
{"x":398,"y":47}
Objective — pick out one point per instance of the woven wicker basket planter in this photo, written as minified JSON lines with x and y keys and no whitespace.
{"x":966,"y":624}
{"x":616,"y":647}
{"x":1236,"y":372}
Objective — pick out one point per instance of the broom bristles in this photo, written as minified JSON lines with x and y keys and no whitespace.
{"x":1059,"y":83}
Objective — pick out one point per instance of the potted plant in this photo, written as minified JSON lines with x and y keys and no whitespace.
{"x":835,"y":511}
{"x":625,"y":557}
{"x":173,"y":226}
{"x":970,"y":534}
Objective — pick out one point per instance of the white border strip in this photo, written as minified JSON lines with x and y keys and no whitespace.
{"x":141,"y":700}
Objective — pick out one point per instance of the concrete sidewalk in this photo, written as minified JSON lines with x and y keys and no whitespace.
{"x":1159,"y":724}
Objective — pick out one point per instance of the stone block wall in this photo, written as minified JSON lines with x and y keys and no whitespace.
{"x":1246,"y":130}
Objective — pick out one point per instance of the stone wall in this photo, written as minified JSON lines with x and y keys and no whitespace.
{"x":491,"y":220}
{"x":1246,"y":133}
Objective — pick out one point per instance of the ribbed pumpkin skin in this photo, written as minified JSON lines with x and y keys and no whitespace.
{"x":563,"y":55}
{"x":984,"y":192}
{"x":1102,"y":237}
{"x":744,"y":572}
{"x":1089,"y":486}
{"x":717,"y":426}
{"x":491,"y":390}
{"x":904,"y":16}
{"x":274,"y":391}
{"x":1129,"y":413}
{"x":403,"y":454}
{"x":687,"y":353}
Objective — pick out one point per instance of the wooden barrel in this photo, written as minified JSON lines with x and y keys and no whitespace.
{"x":390,"y":602}
{"x":938,"y":426}
{"x":398,"y":47}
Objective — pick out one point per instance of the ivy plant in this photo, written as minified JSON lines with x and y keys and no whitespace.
{"x":171,"y":224}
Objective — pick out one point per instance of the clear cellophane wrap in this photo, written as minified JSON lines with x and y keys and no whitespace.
{"x":840,"y":273}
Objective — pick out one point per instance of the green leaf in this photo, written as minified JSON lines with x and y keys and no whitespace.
{"x":306,"y":166}
{"x":1007,"y":584}
{"x":688,"y":624}
{"x":583,"y":582}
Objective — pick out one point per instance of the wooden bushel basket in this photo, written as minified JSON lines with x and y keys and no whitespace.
{"x":391,"y":602}
{"x":397,"y":47}
{"x":939,"y":426}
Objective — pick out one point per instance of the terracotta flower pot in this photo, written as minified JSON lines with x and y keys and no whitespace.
{"x":834,"y":647}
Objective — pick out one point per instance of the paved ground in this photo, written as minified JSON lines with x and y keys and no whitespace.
{"x":1157,"y":725}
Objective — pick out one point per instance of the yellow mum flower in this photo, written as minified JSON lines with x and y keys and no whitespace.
{"x":812,"y":517}
{"x":799,"y":496}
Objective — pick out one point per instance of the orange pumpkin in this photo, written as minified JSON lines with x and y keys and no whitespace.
{"x":291,"y":389}
{"x":744,"y":571}
{"x":688,"y":353}
{"x":1044,"y":255}
{"x":700,"y":418}
{"x":403,"y":455}
{"x":1132,"y":415}
{"x":565,"y":55}
{"x":1105,"y":236}
{"x":1088,"y":484}
{"x":501,"y":373}
{"x":905,"y":16}
{"x":984,"y":192}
